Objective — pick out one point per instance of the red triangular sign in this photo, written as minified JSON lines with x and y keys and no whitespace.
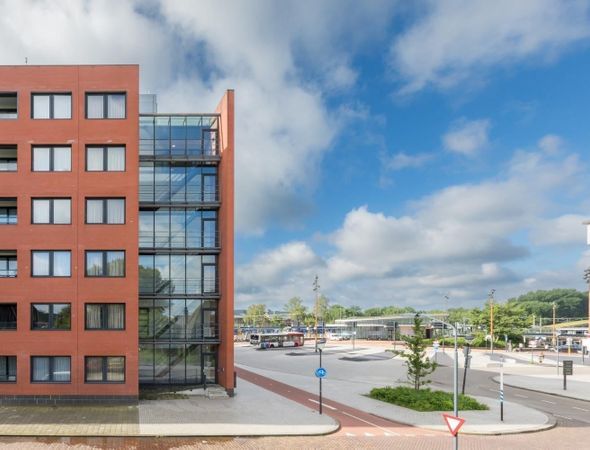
{"x":454,"y":423}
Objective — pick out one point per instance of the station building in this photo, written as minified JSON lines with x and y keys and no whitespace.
{"x":116,"y":238}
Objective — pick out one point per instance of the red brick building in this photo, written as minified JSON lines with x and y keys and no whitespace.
{"x":73,"y":224}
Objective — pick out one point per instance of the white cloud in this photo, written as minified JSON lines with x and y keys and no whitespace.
{"x":467,"y":137}
{"x":456,"y":40}
{"x":551,"y":144}
{"x":463,"y":239}
{"x":403,"y":160}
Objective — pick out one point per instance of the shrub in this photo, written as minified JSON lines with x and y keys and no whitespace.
{"x":424,"y":399}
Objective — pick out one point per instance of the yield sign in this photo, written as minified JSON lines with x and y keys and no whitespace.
{"x":454,"y":423}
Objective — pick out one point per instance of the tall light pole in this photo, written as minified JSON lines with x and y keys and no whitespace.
{"x":316,"y":289}
{"x":491,"y":296}
{"x":555,"y":344}
{"x":455,"y":374}
{"x":446,"y":296}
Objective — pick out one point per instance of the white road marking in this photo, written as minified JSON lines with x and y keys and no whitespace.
{"x":494,"y":390}
{"x":521,"y":396}
{"x":409,"y":435}
{"x":369,"y":435}
{"x":388,"y":434}
{"x":563,"y":417}
{"x":323,"y":404}
{"x":547,"y":401}
{"x":350,"y":434}
{"x":580,"y":409}
{"x":369,"y":423}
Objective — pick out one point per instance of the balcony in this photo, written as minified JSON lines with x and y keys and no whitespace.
{"x":8,"y":267}
{"x":8,"y":211}
{"x":179,"y":137}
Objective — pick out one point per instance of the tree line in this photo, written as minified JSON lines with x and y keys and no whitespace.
{"x":511,"y":317}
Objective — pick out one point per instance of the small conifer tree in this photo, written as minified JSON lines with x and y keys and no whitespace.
{"x":419,"y":366}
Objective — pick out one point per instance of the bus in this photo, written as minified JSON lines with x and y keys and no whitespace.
{"x":276,"y":340}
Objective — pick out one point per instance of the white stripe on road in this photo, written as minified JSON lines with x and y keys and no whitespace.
{"x":350,"y":434}
{"x":547,"y":401}
{"x":323,"y":404}
{"x":521,"y":396}
{"x":369,"y":435}
{"x":370,"y":423}
{"x":563,"y":417}
{"x":581,"y":409}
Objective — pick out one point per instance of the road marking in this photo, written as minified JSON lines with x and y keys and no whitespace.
{"x":350,"y":434}
{"x":494,"y":390}
{"x":580,"y":409}
{"x":388,"y":434}
{"x":521,"y":396}
{"x":563,"y":417}
{"x":369,"y":435}
{"x":409,"y":435}
{"x":323,"y":404}
{"x":547,"y":401}
{"x":370,"y":423}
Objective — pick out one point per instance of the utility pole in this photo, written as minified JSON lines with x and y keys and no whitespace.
{"x":555,"y":344}
{"x":316,"y":289}
{"x":587,"y":278}
{"x":492,"y":319}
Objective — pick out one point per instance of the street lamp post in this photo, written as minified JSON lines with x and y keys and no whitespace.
{"x":316,"y":289}
{"x":492,"y":320}
{"x":455,"y":375}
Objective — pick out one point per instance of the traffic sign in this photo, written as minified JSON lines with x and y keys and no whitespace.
{"x":568,"y":367}
{"x":454,"y":423}
{"x":320,"y":372}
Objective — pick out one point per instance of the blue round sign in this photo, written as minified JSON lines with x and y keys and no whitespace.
{"x":320,"y":373}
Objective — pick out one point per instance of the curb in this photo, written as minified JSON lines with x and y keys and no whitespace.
{"x":541,"y":392}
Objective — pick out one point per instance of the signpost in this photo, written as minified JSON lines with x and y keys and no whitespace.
{"x":466,"y":353}
{"x":320,"y":372}
{"x":454,"y":423}
{"x":568,"y":369}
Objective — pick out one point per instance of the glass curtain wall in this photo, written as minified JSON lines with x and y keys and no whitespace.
{"x":179,"y":246}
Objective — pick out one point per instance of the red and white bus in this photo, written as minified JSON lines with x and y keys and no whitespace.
{"x":276,"y":340}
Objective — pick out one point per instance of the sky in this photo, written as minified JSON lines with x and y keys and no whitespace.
{"x":402,"y":151}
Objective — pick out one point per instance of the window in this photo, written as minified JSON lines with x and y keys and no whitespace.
{"x":105,"y":106}
{"x":50,"y":369}
{"x":8,"y":264}
{"x":51,"y":210}
{"x":8,"y":105}
{"x":105,"y":159}
{"x":104,"y":369}
{"x":51,"y":106}
{"x":51,"y":316}
{"x":105,"y":316}
{"x":8,"y":158}
{"x":8,"y":211}
{"x":7,"y":369}
{"x":52,"y":159}
{"x":105,"y":210}
{"x":7,"y":316}
{"x":51,"y":263}
{"x":105,"y":263}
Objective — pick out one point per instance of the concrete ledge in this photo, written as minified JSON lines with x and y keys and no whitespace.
{"x":512,"y":381}
{"x":45,"y":400}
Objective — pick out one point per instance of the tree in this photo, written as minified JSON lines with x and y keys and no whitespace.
{"x":256,"y":315}
{"x":570,"y":303}
{"x":296,"y":309}
{"x":419,"y":366}
{"x":321,"y":307}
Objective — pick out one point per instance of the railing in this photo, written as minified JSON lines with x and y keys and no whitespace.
{"x":188,"y":286}
{"x":8,"y":165}
{"x":181,"y":149}
{"x":178,"y":240}
{"x":175,"y":331}
{"x":158,"y":194}
{"x":8,"y":325}
{"x":8,"y":220}
{"x":8,"y":273}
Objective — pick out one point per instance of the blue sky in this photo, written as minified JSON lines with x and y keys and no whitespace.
{"x":402,"y":151}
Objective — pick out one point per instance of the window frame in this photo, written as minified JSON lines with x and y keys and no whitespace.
{"x":104,"y":263}
{"x":16,"y":318}
{"x":51,"y":264}
{"x":105,"y":369}
{"x":9,"y":258}
{"x":51,"y":148}
{"x":10,"y":94}
{"x":105,"y":212}
{"x":51,"y":369}
{"x":51,"y":317}
{"x":51,"y":210}
{"x":105,"y":156}
{"x":51,"y":105}
{"x":105,"y":104}
{"x":104,"y":316}
{"x":5,"y":218}
{"x":8,"y":370}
